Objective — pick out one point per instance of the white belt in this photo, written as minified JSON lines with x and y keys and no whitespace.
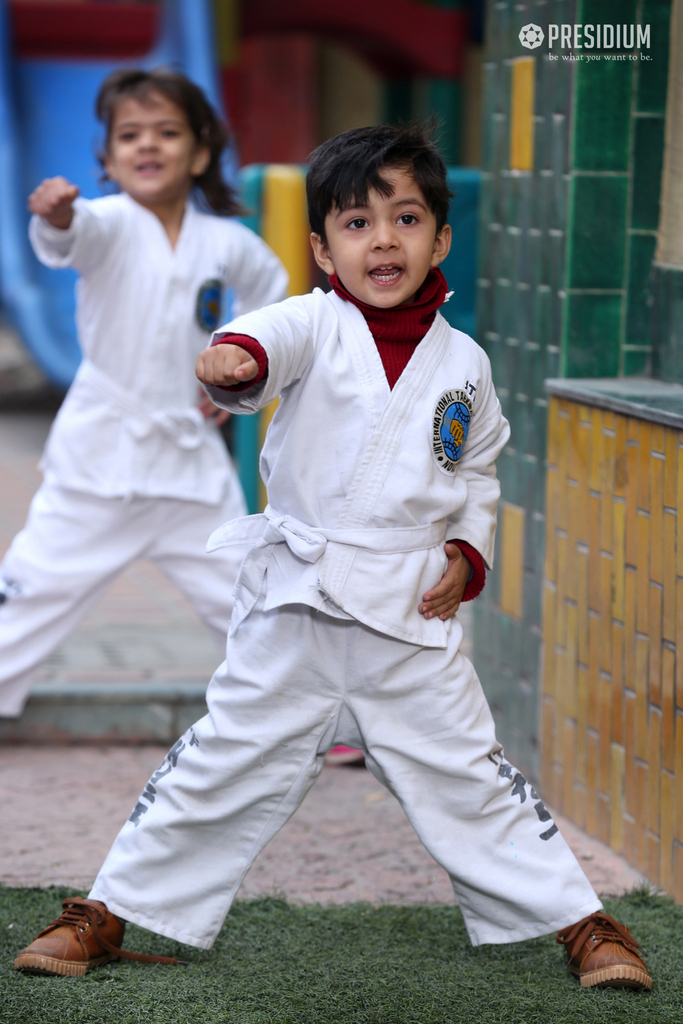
{"x":309,"y":544}
{"x":185,"y":426}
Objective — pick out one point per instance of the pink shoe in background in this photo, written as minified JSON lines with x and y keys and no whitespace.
{"x":345,"y":755}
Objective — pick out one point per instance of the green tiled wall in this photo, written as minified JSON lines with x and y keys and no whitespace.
{"x":603,"y":127}
{"x":566,"y":282}
{"x":595,"y":254}
{"x":653,"y":75}
{"x":668,"y":324}
{"x":648,"y":152}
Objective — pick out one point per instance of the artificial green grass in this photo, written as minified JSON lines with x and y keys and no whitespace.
{"x":278,"y":964}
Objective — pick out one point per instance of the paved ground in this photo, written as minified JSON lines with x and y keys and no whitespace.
{"x":62,"y":806}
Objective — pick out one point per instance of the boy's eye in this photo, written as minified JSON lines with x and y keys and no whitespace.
{"x":407,"y":218}
{"x":170,"y":133}
{"x":357,"y":223}
{"x":126,"y":136}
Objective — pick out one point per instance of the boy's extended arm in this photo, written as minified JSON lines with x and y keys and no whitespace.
{"x":226,"y":365}
{"x":207,"y":406}
{"x":284,"y":348}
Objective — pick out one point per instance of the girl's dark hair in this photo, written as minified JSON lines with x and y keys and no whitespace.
{"x":213,"y":192}
{"x":344,"y":168}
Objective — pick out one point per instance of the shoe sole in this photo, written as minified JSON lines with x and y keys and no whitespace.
{"x":615,"y":977}
{"x":34,"y":963}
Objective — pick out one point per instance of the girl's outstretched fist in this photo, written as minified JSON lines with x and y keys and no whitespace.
{"x":225,"y":365}
{"x":53,"y":200}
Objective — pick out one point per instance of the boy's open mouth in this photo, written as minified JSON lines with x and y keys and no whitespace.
{"x":386,"y":275}
{"x":149,"y":167}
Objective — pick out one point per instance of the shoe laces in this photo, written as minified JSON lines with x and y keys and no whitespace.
{"x":601,"y":927}
{"x":84,"y":914}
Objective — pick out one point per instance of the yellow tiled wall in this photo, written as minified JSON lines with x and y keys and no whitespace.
{"x":612,"y":707}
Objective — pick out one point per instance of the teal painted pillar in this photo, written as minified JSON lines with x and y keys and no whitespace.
{"x":398,"y":100}
{"x":442,"y":98}
{"x":246,"y":428}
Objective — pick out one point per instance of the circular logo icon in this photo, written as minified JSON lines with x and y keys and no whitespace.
{"x":531,"y":36}
{"x":208,"y":306}
{"x":452,"y":415}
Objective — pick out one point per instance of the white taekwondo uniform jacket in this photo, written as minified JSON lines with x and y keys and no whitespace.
{"x":364,"y":483}
{"x":129,"y":424}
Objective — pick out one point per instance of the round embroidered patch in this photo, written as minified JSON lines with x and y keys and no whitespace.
{"x":452,"y":415}
{"x":208,"y":305}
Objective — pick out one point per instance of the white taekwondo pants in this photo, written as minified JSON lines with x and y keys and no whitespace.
{"x":297,"y":682}
{"x":72,"y":547}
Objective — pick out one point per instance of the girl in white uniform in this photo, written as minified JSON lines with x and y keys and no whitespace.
{"x":135,"y":465}
{"x":333,"y":639}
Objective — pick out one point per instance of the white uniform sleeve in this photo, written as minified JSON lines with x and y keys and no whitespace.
{"x":475,"y":522}
{"x":255,"y":272}
{"x":83,"y":244}
{"x":286,"y":332}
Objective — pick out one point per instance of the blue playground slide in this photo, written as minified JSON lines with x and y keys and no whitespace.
{"x":48,"y":127}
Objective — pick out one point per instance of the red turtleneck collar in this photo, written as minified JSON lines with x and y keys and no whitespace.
{"x":398,"y":330}
{"x":402,"y":323}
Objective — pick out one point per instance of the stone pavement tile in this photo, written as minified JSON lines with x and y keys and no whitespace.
{"x":62,"y":807}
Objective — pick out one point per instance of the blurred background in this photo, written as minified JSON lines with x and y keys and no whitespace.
{"x":567,"y":268}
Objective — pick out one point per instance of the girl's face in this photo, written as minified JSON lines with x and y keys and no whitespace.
{"x":153,"y":154}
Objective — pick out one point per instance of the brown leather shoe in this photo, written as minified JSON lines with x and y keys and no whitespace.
{"x":603,"y":952}
{"x":84,"y":935}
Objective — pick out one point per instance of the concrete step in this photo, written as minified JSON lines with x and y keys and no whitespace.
{"x":121,"y":713}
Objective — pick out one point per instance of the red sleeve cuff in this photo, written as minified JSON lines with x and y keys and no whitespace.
{"x":255,"y":349}
{"x":477,"y":581}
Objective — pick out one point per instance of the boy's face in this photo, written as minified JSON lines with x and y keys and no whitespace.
{"x":382,"y":251}
{"x":153,"y":154}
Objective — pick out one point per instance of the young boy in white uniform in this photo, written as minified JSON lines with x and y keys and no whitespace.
{"x":366,"y":482}
{"x":135,"y":465}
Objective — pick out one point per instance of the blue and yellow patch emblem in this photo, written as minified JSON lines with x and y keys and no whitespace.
{"x":208,"y":305}
{"x":451,"y":424}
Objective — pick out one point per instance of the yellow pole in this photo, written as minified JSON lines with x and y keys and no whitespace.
{"x":285,"y":222}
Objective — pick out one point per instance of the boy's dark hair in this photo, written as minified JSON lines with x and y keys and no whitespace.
{"x":345,"y":168}
{"x":214,"y":193}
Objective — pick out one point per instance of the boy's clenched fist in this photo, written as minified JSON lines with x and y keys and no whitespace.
{"x":225,"y":365}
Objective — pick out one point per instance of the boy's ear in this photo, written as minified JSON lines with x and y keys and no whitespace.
{"x":322,"y":254}
{"x":442,"y":245}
